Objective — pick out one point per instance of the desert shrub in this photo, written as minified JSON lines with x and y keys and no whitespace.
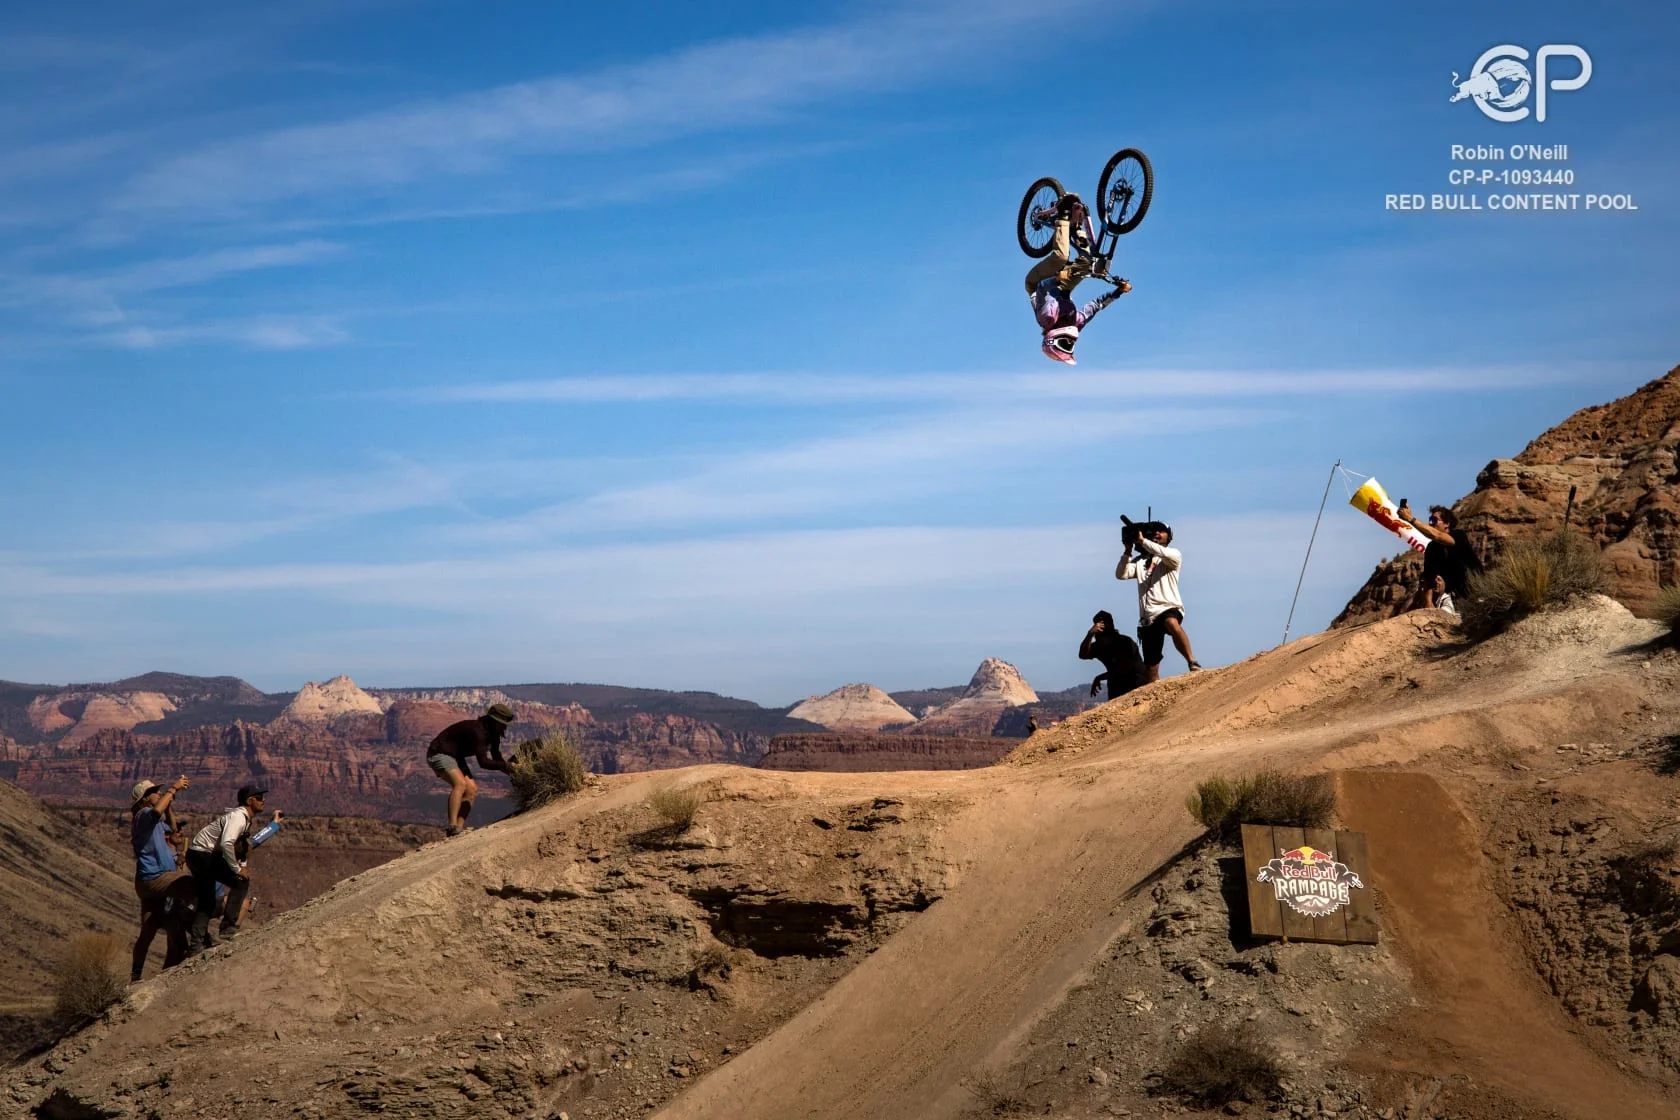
{"x":1224,"y":804}
{"x":676,"y":807}
{"x":87,"y":979}
{"x":544,"y":769}
{"x":994,"y":1095}
{"x":712,"y":964}
{"x":1666,"y":609}
{"x":1532,"y":574}
{"x":1220,"y":1064}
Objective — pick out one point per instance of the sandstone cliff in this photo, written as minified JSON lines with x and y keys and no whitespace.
{"x":366,"y":764}
{"x":320,"y":703}
{"x":80,"y":714}
{"x":1621,"y":460}
{"x":853,"y":707}
{"x":996,"y":687}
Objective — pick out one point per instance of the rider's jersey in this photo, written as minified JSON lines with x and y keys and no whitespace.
{"x":1054,"y":308}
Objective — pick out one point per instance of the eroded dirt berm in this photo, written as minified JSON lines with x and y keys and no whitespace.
{"x":1040,"y":936}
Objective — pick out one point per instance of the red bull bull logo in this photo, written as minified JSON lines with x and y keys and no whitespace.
{"x":1310,"y":882}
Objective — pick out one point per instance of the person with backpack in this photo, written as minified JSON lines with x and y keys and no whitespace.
{"x":213,"y":858}
{"x":1122,"y":663}
{"x":165,"y":891}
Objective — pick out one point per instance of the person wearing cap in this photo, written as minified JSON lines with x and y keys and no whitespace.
{"x":1122,"y":665}
{"x":450,"y":751}
{"x":1160,"y":607}
{"x":164,"y":889}
{"x":213,"y":857}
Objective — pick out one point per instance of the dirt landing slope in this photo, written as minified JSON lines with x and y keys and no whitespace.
{"x":837,"y":945}
{"x":1488,"y":1019}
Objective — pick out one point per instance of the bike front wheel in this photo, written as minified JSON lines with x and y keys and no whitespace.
{"x":1036,"y":234}
{"x":1124,"y":191}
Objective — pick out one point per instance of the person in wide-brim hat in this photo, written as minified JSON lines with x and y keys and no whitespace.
{"x":449,"y":752}
{"x":163,"y":888}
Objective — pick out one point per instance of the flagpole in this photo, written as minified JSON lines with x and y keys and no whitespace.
{"x":1321,"y":504}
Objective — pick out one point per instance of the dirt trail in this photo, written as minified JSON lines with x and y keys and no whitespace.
{"x":1488,"y":1017}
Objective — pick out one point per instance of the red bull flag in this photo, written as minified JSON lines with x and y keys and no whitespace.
{"x":1371,"y":500}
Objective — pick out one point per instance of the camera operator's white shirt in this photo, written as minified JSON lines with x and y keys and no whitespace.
{"x":1157,"y":580}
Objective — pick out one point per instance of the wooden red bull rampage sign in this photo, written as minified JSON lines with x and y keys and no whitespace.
{"x":1309,"y":885}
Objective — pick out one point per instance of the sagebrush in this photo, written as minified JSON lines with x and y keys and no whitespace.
{"x":1224,"y":804}
{"x":88,"y":979}
{"x":1220,"y":1064}
{"x":1533,"y":573}
{"x":995,"y":1096}
{"x":544,"y":769}
{"x":1666,"y":609}
{"x":676,"y":807}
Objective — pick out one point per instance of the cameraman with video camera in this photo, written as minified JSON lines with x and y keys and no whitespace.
{"x":1160,"y":609}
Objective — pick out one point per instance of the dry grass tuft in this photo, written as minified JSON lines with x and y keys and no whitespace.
{"x":995,"y":1096}
{"x":1223,"y":805}
{"x":545,"y":769}
{"x":89,"y":979}
{"x":676,"y":807}
{"x":1533,"y":573}
{"x":713,"y":964}
{"x":1221,"y":1064}
{"x":1666,"y":609}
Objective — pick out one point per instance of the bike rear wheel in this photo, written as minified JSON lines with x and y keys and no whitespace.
{"x":1036,"y":236}
{"x":1124,"y":191}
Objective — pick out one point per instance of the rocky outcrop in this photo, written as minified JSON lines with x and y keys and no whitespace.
{"x":662,"y":742}
{"x":843,"y":753}
{"x":996,"y":687}
{"x":1621,"y":460}
{"x":479,"y":698}
{"x":80,"y":714}
{"x":321,"y":703}
{"x":852,"y":707}
{"x":414,"y":721}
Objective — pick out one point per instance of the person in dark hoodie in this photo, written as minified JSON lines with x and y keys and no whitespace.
{"x":447,"y":755}
{"x":1121,"y":661}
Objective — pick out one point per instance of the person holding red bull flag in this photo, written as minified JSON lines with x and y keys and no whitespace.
{"x":1448,"y":559}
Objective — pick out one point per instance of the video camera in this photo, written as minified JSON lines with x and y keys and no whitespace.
{"x":1131,"y":530}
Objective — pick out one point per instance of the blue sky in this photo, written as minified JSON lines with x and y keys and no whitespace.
{"x":685,"y":346}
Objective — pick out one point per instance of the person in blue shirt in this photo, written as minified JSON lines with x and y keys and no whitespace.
{"x":165,"y":891}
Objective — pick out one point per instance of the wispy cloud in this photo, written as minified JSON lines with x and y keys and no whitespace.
{"x":875,"y":467}
{"x":261,"y":332}
{"x":815,"y":389}
{"x":735,"y":82}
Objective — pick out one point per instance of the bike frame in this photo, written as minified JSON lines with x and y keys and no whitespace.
{"x":1103,"y":245}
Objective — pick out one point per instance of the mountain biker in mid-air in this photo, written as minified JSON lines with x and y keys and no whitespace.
{"x":1051,"y":281}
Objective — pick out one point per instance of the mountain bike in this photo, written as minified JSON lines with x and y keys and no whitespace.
{"x":1123,"y":196}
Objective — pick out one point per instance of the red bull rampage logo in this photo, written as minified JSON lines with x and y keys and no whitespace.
{"x":1311,"y":882}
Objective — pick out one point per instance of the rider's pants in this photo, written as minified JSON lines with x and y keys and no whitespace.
{"x":1058,"y":264}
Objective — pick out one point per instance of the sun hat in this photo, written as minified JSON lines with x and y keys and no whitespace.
{"x":501,"y":713}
